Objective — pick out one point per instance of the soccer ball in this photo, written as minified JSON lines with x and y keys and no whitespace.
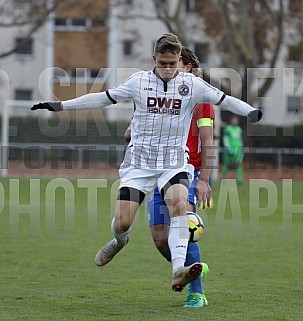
{"x":196,"y":226}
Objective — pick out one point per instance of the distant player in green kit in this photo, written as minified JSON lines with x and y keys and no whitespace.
{"x":233,"y":153}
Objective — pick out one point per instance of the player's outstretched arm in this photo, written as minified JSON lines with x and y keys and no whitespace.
{"x":241,"y":108}
{"x":51,"y":106}
{"x":211,"y":95}
{"x":89,"y":101}
{"x":123,"y":92}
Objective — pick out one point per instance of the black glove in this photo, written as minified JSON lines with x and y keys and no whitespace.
{"x":254,"y":115}
{"x":51,"y":106}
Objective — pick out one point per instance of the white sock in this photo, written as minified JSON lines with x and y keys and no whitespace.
{"x":120,"y":236}
{"x":178,"y":240}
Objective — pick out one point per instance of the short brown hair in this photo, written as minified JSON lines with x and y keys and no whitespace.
{"x":188,"y":57}
{"x":168,"y":42}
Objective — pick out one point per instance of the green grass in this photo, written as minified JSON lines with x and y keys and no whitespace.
{"x":48,"y":272}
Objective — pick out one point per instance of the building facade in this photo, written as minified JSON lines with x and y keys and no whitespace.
{"x":24,"y":67}
{"x":87,"y":46}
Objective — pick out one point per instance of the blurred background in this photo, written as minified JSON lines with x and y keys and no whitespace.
{"x":57,"y":50}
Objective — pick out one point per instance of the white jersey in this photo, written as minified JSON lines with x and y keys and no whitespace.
{"x":162,"y":114}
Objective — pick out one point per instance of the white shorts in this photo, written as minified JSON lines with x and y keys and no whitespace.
{"x":145,"y":180}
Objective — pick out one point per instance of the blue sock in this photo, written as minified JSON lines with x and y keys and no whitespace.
{"x":193,"y":256}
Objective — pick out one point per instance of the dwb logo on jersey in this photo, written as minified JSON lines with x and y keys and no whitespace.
{"x":162,"y":105}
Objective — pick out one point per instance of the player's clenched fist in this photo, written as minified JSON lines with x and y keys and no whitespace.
{"x":51,"y":106}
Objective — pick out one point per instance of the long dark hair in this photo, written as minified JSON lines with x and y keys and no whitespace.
{"x":188,"y":57}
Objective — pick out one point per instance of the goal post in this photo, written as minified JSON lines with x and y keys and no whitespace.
{"x":45,"y":141}
{"x":16,"y":108}
{"x":4,"y":139}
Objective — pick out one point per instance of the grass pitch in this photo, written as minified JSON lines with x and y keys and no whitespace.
{"x":253,"y":245}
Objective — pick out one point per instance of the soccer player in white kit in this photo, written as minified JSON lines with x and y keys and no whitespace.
{"x":164,"y":100}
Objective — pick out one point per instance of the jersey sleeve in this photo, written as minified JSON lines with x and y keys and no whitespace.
{"x":123,"y":92}
{"x":204,"y":115}
{"x":205,"y":93}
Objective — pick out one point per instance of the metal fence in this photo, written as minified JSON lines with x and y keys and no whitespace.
{"x":37,"y":154}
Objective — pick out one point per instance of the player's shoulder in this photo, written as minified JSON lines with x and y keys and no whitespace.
{"x":139,"y":74}
{"x":229,"y":128}
{"x":190,"y":76}
{"x":190,"y":80}
{"x":195,"y":81}
{"x":186,"y":76}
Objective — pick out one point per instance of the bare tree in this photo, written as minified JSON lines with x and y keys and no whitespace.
{"x":247,"y":33}
{"x":28,"y":15}
{"x":173,"y":17}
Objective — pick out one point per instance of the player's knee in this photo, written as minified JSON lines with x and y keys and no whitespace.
{"x":179,"y":207}
{"x":177,"y":201}
{"x":122,"y":224}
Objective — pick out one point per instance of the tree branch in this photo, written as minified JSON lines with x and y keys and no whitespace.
{"x":36,"y":25}
{"x":280,"y":26}
{"x":230,"y":33}
{"x":15,"y":24}
{"x":173,"y":23}
{"x":269,"y":11}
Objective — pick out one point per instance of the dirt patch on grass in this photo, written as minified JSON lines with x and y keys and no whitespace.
{"x":103,"y":170}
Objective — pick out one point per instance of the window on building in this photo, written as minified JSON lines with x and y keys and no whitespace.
{"x":77,"y":72}
{"x":96,"y":73}
{"x":23,"y":94}
{"x":98,"y":22}
{"x":24,"y":46}
{"x":202,"y":51}
{"x":129,"y":2}
{"x":60,"y":21}
{"x":78,"y":22}
{"x":127,"y":48}
{"x":294,"y":104}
